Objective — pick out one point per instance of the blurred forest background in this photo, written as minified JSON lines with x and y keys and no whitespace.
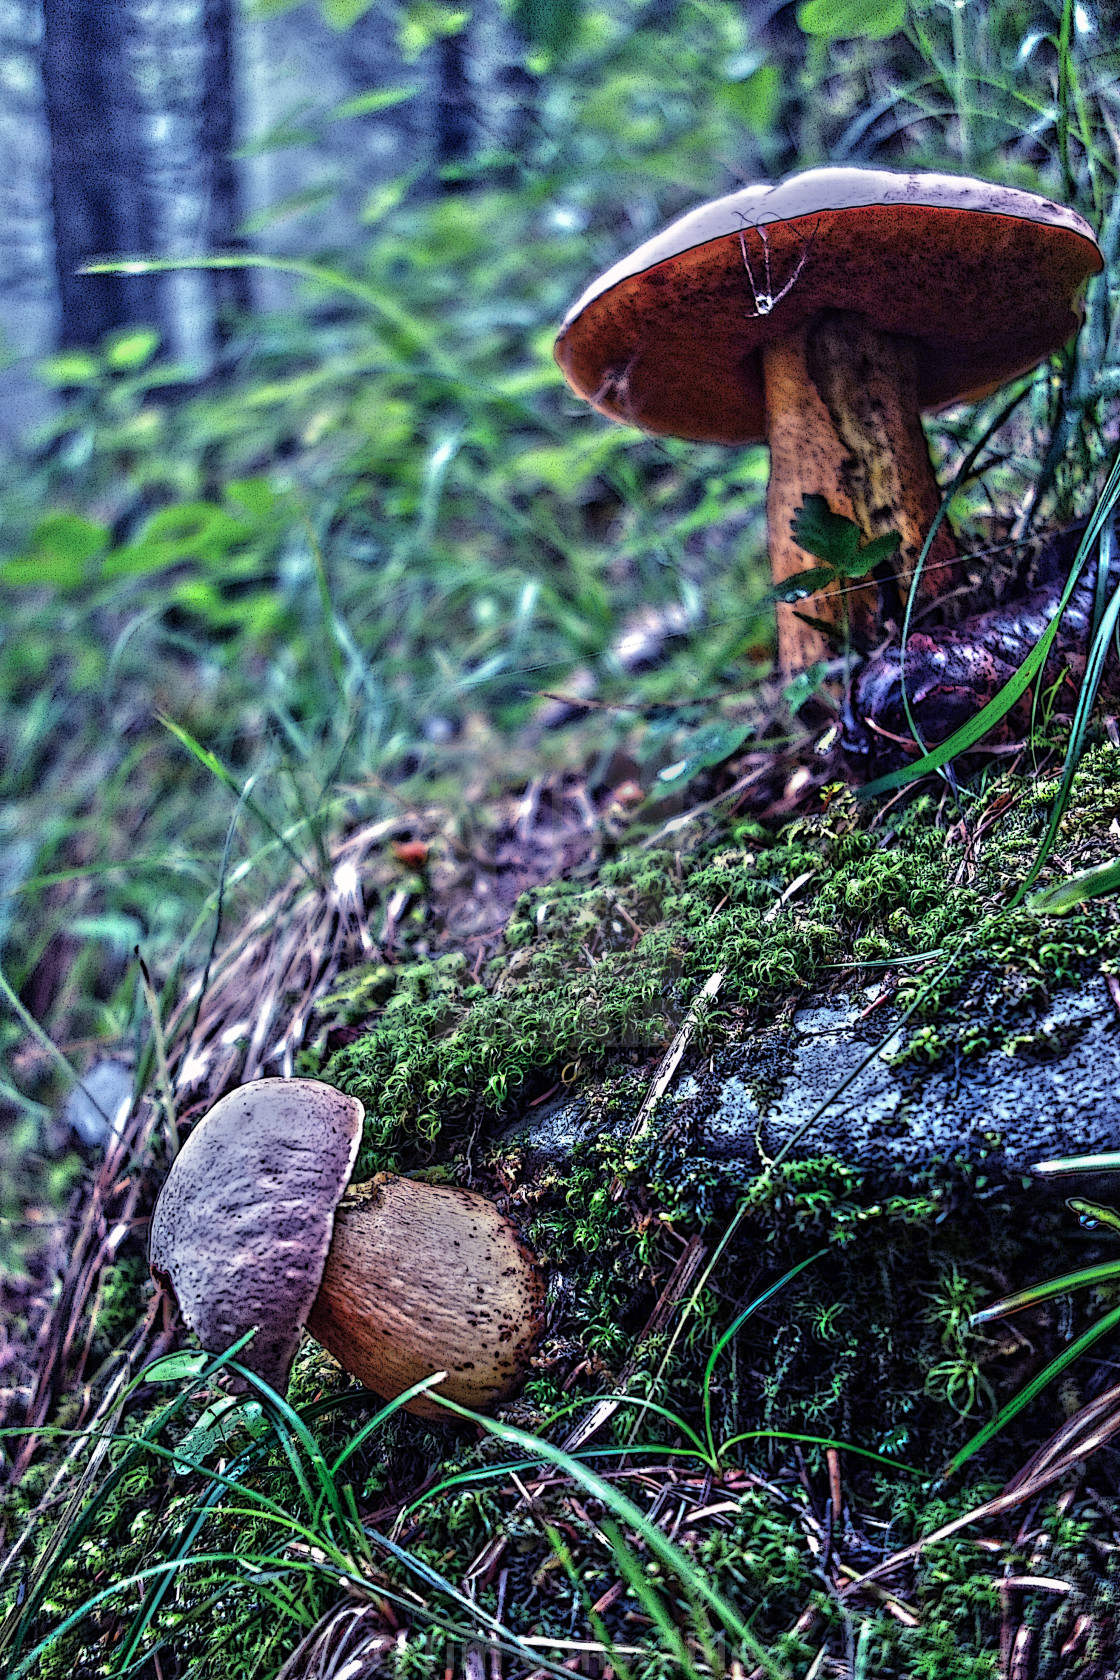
{"x":309,"y":538}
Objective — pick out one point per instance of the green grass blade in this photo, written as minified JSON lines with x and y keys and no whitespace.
{"x":1065,"y":1165}
{"x":627,"y":1512}
{"x":439,"y":1583}
{"x":647,"y":1595}
{"x":320,"y":273}
{"x":959,"y":477}
{"x":171,"y":1567}
{"x":494,"y":1472}
{"x":386,"y":1411}
{"x":1015,"y":687}
{"x":598,"y":1626}
{"x":1009,"y":1304}
{"x":822,"y":1441}
{"x":210,"y":761}
{"x":292,"y":1421}
{"x":1068,"y":894}
{"x":730,"y":1334}
{"x":635,"y":1400}
{"x":1055,"y":1368}
{"x":47,"y":1043}
{"x":1090,"y":683}
{"x":15,"y":1625}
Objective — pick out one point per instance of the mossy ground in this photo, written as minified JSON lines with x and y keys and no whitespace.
{"x":870,"y":1345}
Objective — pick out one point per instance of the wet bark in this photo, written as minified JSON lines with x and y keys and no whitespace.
{"x":952,"y":672}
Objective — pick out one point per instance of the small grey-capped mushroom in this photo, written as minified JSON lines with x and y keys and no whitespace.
{"x":255,"y":1228}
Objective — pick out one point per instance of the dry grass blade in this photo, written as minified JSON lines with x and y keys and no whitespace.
{"x":667,"y":1068}
{"x":349,"y":1639}
{"x":274,"y":969}
{"x":692,"y":1258}
{"x":263,"y":987}
{"x":110,"y":1212}
{"x":1078,"y":1438}
{"x":1070,"y":1435}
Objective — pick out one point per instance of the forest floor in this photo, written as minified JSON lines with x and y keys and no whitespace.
{"x":778,"y":1456}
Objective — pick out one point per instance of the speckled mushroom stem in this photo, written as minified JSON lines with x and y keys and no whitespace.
{"x":422,"y":1278}
{"x":843,"y":422}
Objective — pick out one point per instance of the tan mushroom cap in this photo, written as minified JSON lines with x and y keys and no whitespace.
{"x":456,"y":1290}
{"x":985,"y":279}
{"x":243,"y":1224}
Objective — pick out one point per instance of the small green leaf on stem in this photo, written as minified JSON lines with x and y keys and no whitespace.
{"x":836,"y":541}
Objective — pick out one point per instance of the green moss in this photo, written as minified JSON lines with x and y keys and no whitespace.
{"x":599,"y":971}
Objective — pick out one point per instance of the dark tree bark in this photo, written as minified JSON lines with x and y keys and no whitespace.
{"x":28,"y":301}
{"x":231,"y":288}
{"x":96,"y":208}
{"x":140,"y":101}
{"x":454,"y":107}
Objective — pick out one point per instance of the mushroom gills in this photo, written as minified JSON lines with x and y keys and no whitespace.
{"x":422,"y":1278}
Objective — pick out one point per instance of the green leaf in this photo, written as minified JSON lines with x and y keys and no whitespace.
{"x":844,"y":20}
{"x":754,"y":100}
{"x":550,"y":24}
{"x":341,"y":14}
{"x":70,"y":367}
{"x":380,"y":200}
{"x":423,"y":22}
{"x":115,"y":928}
{"x":878,"y":549}
{"x":826,"y":534}
{"x":128,"y":351}
{"x":801,"y":584}
{"x":287,"y":209}
{"x":365,"y":104}
{"x":255,"y":495}
{"x":1087,"y":883}
{"x":215,"y":1430}
{"x":192,"y":531}
{"x":710,"y":745}
{"x":804,"y":686}
{"x":61,"y":548}
{"x":175,"y":1367}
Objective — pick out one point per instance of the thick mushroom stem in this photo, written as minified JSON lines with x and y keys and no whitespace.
{"x":843,"y":423}
{"x":422,"y":1278}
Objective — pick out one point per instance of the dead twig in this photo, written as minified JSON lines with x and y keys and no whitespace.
{"x":1077,"y":1439}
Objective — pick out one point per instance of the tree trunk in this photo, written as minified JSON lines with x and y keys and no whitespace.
{"x":140,"y":103}
{"x":93,"y":191}
{"x":28,"y":301}
{"x":230,"y":288}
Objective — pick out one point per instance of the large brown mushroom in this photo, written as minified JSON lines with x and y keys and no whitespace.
{"x":822,"y":315}
{"x":255,"y":1228}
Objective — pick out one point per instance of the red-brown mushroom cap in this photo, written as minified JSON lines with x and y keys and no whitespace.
{"x":244,"y":1221}
{"x":985,"y":279}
